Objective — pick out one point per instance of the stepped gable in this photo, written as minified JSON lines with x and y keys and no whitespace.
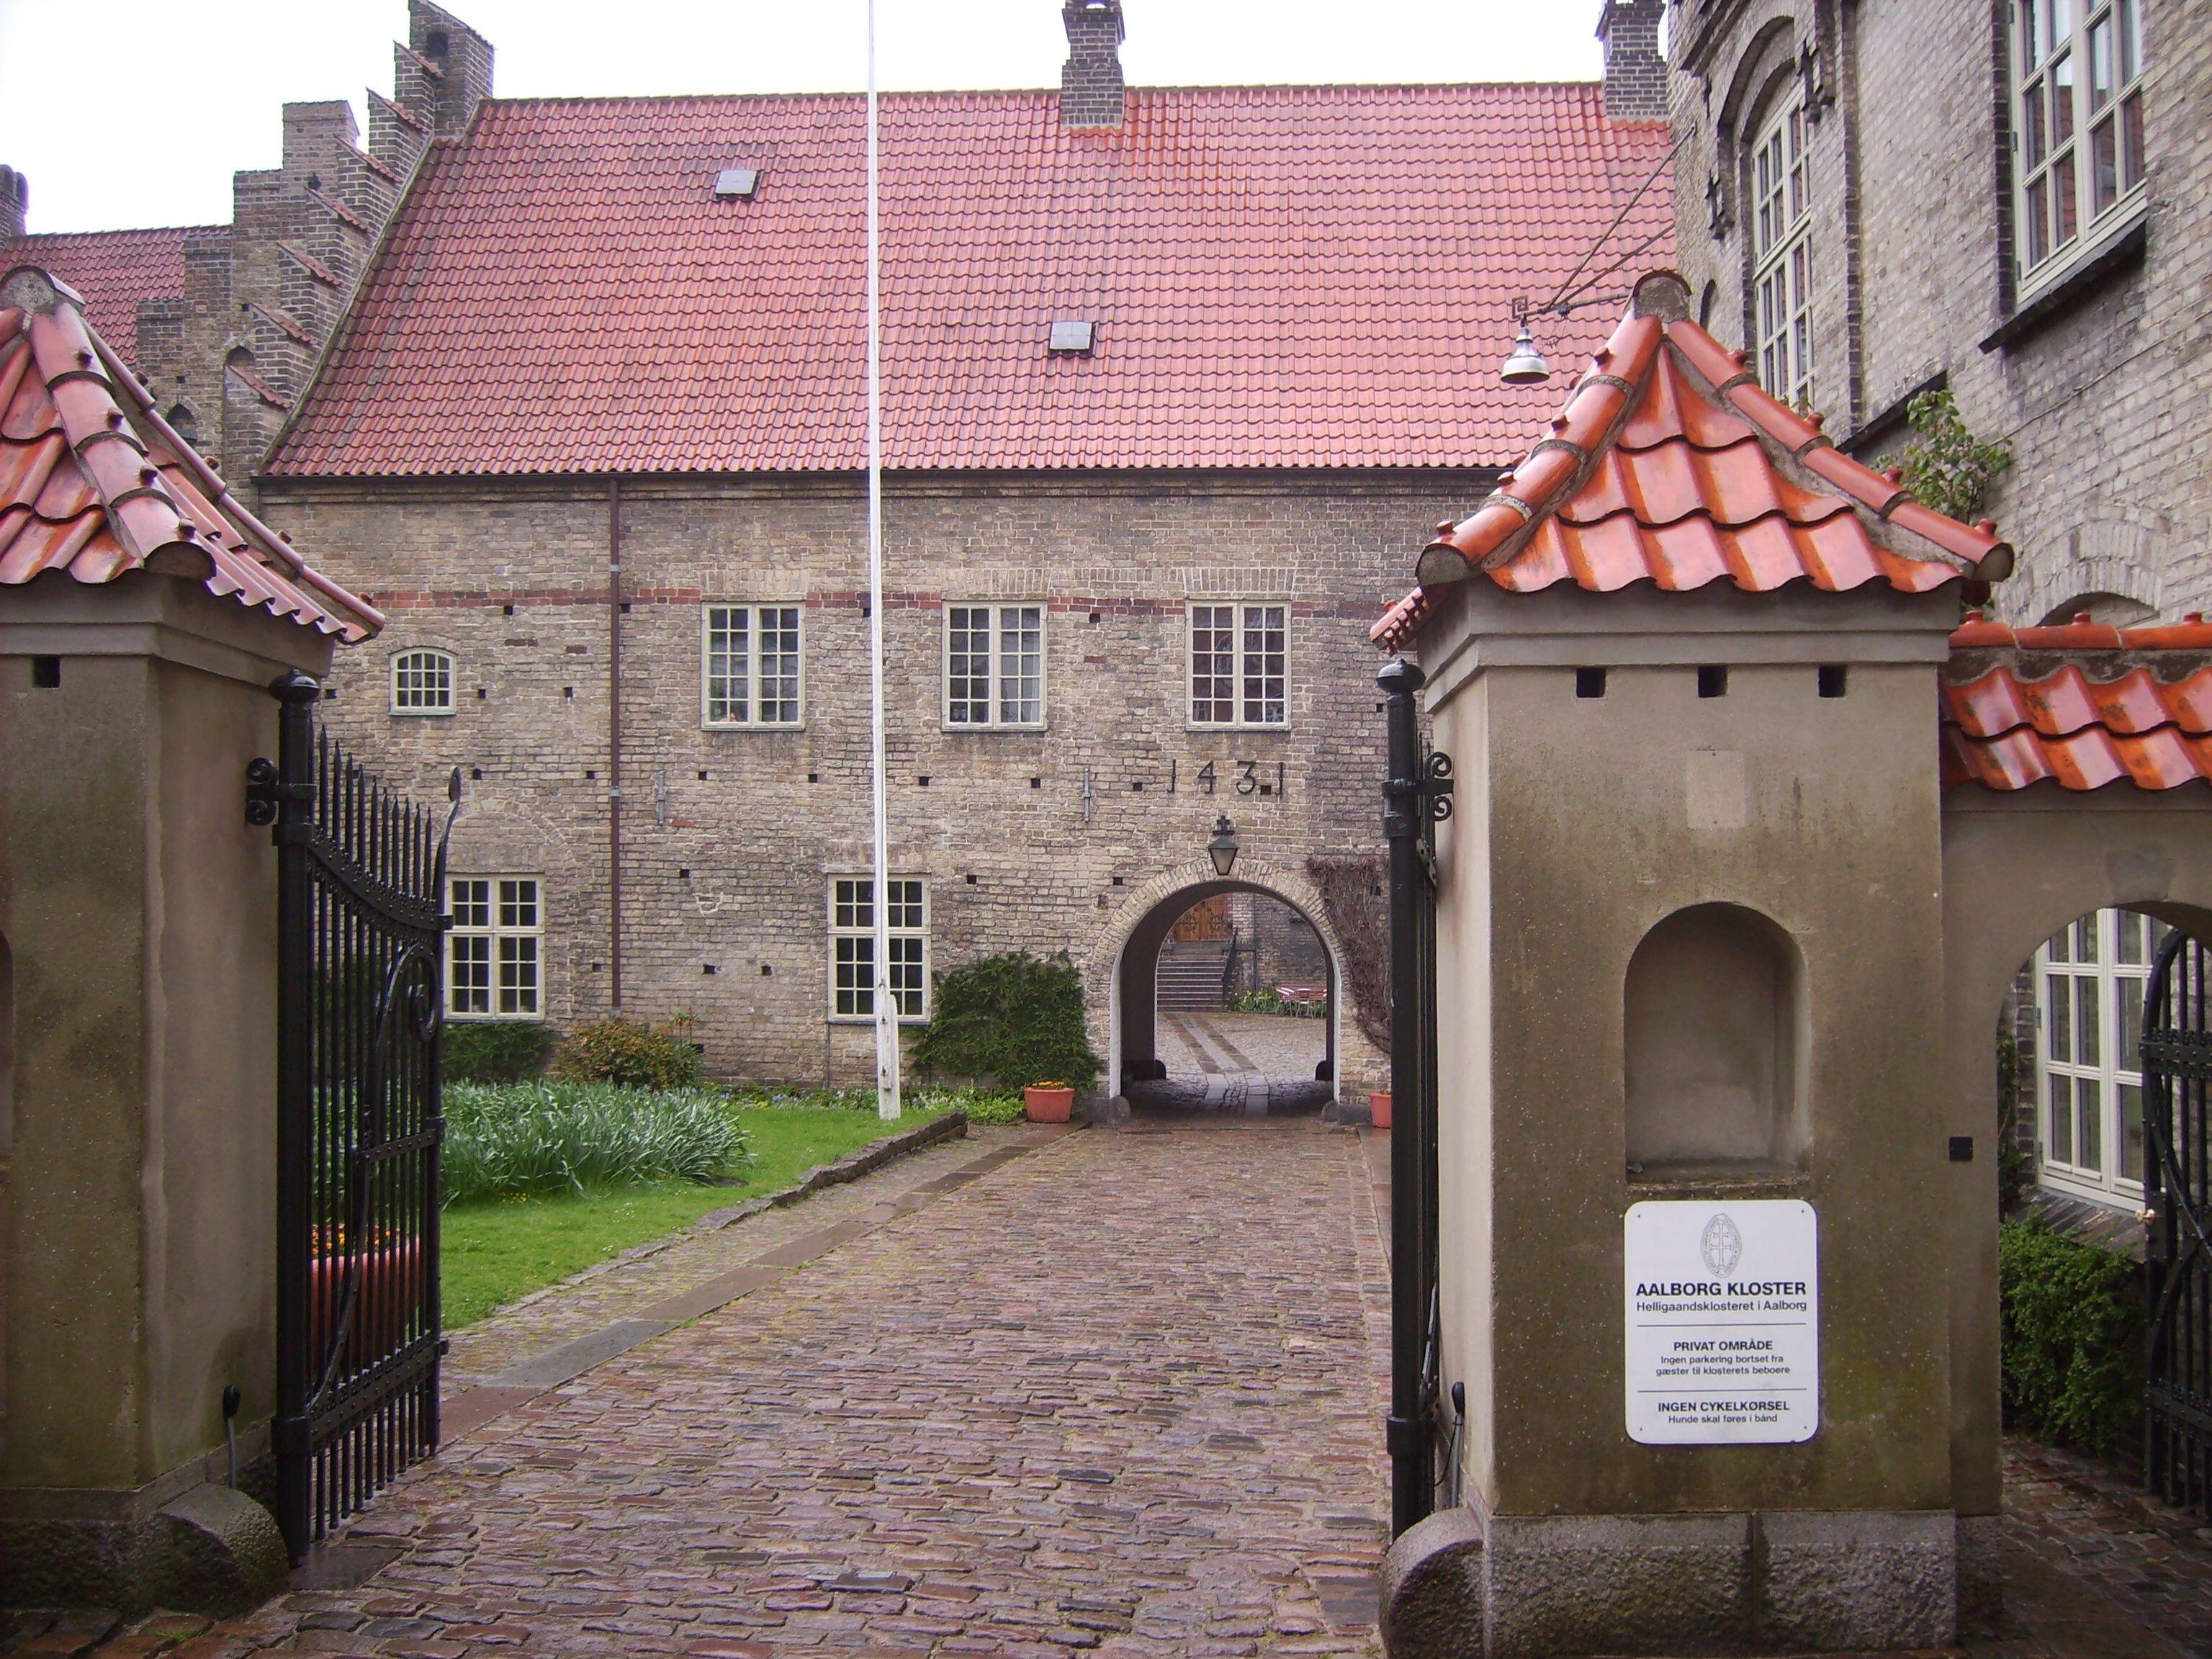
{"x":1278,"y":276}
{"x":2080,"y":705}
{"x":94,"y":482}
{"x":114,"y":271}
{"x":1668,"y":464}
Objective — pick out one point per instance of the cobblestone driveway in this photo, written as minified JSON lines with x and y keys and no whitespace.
{"x":1120,"y":1393}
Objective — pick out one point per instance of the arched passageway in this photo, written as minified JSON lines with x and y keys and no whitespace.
{"x":1230,"y":934}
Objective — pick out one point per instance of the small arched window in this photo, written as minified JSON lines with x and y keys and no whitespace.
{"x":423,"y":683}
{"x":185,"y":424}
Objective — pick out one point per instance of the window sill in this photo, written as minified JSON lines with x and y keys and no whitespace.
{"x":2086,"y":276}
{"x":752,"y":726}
{"x":1234,"y":726}
{"x":495,"y":1019}
{"x":423,"y":713}
{"x":990,"y":728}
{"x":862,"y":1021}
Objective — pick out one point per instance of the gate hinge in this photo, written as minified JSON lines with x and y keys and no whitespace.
{"x":1405,"y":1436}
{"x":264,"y":792}
{"x":289,"y":1437}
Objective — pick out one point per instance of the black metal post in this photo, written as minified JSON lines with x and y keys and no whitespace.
{"x":294,"y":803}
{"x":1405,"y":812}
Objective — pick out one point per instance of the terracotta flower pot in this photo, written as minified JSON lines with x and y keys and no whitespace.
{"x":1048,"y":1105}
{"x":391,"y":1291}
{"x":1378,"y":1108}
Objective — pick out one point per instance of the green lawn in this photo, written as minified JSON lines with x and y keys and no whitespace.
{"x":498,"y":1249}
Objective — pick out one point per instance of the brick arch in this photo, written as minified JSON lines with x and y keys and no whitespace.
{"x":2102,"y":556}
{"x":1153,"y":905}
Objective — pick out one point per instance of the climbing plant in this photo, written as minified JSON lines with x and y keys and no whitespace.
{"x":1946,"y":467}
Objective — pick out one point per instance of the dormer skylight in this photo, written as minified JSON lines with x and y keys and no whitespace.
{"x":737,"y":184}
{"x":1072,"y":338}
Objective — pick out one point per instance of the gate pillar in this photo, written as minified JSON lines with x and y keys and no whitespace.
{"x":1690,"y":1158}
{"x":138,"y":970}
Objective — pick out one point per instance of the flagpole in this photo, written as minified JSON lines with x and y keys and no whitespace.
{"x":886,"y":1009}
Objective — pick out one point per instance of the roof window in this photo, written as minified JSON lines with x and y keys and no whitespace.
{"x":1073,"y":338}
{"x":737,"y":184}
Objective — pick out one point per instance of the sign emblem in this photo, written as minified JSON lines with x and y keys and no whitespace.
{"x":1722,"y":1245}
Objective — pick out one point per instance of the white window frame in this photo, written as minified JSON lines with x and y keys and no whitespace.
{"x":408,"y":671}
{"x":714,"y":713}
{"x":2077,"y":105}
{"x":851,"y":926}
{"x":1781,"y":219}
{"x":2086,"y":997}
{"x":956,"y":709}
{"x":1203,"y":614}
{"x":495,"y":949}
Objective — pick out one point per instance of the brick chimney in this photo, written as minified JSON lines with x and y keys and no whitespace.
{"x":1635,"y":73}
{"x":1091,"y":90}
{"x":15,"y":204}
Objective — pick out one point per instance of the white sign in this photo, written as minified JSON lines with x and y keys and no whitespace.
{"x":1723,"y":1322}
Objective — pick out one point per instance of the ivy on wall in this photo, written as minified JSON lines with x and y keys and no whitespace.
{"x":1946,"y":467}
{"x":1014,"y":1020}
{"x":1355,"y":895}
{"x":2072,"y":1337}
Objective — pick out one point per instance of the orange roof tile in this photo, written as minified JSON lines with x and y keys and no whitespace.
{"x":94,"y":482}
{"x":1668,"y":464}
{"x":1281,"y":276}
{"x":113,"y":269}
{"x":2081,"y":704}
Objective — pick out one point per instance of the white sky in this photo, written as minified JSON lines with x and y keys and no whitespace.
{"x":132,"y":113}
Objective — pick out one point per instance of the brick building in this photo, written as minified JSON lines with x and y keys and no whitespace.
{"x":1171,"y":377}
{"x":1881,"y":199}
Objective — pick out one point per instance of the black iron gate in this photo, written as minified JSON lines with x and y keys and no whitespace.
{"x":361,"y":881}
{"x":1416,"y":796}
{"x":2177,"y":1074}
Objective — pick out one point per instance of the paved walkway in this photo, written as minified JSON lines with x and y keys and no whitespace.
{"x":1033,"y":1394}
{"x":1243,"y":1064}
{"x":1060,"y":1407}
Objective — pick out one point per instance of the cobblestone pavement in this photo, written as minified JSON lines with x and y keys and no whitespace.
{"x":2097,"y":1569}
{"x":621,"y":1288}
{"x":1118,"y":1395}
{"x":1270,"y":1045}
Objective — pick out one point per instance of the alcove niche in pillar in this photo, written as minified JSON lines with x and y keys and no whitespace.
{"x":1714,"y":1035}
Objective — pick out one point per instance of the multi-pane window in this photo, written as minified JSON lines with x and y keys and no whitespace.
{"x":750,"y":667}
{"x":1238,"y":665}
{"x":421,"y":683}
{"x":995,"y":665}
{"x":2089,"y":983}
{"x":2078,"y":112}
{"x":494,"y":951}
{"x":852,"y":946}
{"x":1782,"y":255}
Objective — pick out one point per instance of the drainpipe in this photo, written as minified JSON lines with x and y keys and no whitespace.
{"x":614,"y":743}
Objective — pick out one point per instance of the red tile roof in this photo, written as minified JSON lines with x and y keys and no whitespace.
{"x":113,"y":269}
{"x":1281,"y":276}
{"x":94,"y":482}
{"x":2080,"y":705}
{"x":1668,"y":464}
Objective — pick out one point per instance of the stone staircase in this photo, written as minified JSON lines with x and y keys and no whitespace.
{"x":1190,"y":977}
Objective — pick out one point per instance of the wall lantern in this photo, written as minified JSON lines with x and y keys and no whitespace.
{"x":1222,"y":849}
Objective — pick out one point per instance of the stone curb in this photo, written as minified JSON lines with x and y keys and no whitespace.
{"x":851,"y":1167}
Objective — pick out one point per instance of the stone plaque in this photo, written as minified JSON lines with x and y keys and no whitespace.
{"x":1723,"y":1301}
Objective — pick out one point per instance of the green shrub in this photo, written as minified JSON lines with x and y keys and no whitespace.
{"x":619,"y":1050}
{"x":929,"y":1099}
{"x":2073,"y":1336}
{"x":568,"y":1137}
{"x":496,"y":1050}
{"x":1011,"y":1019}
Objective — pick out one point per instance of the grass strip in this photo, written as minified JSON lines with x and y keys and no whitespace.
{"x":498,"y":1250}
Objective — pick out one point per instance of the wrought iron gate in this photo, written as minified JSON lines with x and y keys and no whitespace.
{"x":1416,"y":796}
{"x":360,"y":917}
{"x":2177,"y":1074}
